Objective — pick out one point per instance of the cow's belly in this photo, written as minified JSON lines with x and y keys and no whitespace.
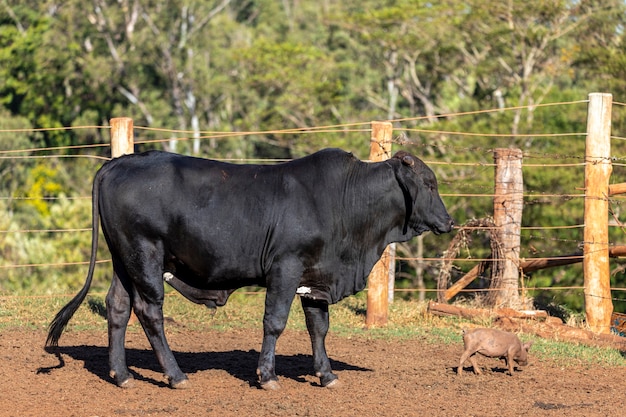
{"x":215,"y":274}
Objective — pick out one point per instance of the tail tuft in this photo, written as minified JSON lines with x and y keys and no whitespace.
{"x":64,"y":315}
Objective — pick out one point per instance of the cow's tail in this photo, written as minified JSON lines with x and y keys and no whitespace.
{"x":65,"y":314}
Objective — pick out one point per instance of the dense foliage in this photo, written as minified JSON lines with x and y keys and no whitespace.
{"x":264,"y":65}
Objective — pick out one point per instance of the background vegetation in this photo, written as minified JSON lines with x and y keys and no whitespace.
{"x":266,"y":65}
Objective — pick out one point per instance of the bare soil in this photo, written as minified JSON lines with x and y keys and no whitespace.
{"x":378,"y":378}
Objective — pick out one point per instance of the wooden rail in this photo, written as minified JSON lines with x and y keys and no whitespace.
{"x":527,"y":267}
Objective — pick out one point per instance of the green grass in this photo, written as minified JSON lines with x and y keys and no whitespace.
{"x":408,"y":320}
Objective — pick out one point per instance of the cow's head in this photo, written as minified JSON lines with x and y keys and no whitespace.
{"x":424,"y":209}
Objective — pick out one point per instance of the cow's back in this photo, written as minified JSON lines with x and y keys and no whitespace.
{"x":222,"y":220}
{"x":187,"y":208}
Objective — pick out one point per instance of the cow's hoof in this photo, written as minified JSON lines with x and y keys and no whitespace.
{"x":329,"y":381}
{"x":181,"y":384}
{"x":271,"y":385}
{"x":127,"y":383}
{"x":334,"y":384}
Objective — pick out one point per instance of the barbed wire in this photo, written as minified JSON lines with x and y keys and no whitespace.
{"x":577,"y":226}
{"x":496,"y":110}
{"x":58,"y":264}
{"x":47,"y":230}
{"x":55,"y":148}
{"x":337,"y":128}
{"x":405,"y":258}
{"x":236,"y":134}
{"x":51,"y":129}
{"x":490,"y":195}
{"x":261,"y":291}
{"x":490,"y":135}
{"x":54,"y":156}
{"x":340,"y":129}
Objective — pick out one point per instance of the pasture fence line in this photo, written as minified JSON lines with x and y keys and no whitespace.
{"x":126,"y":129}
{"x":508,"y":203}
{"x":261,"y":291}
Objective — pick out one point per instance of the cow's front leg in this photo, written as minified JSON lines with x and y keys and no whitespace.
{"x":118,"y":312}
{"x":277,"y":305}
{"x":317,"y":323}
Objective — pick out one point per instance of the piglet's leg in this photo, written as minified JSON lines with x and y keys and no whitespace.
{"x":509,"y":362}
{"x":475,"y":365}
{"x":464,"y":357}
{"x":471,"y":355}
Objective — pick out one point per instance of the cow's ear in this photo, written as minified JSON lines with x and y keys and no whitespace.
{"x":405,"y":157}
{"x":406,"y":177}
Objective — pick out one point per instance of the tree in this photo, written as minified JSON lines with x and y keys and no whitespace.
{"x":40,"y":71}
{"x":521,"y":51}
{"x":410,"y":43}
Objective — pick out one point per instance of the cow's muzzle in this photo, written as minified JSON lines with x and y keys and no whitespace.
{"x":445,"y":227}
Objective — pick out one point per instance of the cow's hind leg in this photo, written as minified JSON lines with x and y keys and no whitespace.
{"x":148,"y":306}
{"x":317,"y":323}
{"x":118,"y":305}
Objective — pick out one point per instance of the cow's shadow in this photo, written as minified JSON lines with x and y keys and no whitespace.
{"x":238,"y":363}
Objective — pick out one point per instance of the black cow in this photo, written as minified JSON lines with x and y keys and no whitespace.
{"x":314,"y":226}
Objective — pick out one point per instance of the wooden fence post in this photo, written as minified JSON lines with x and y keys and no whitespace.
{"x":378,"y":282}
{"x":598,"y":167}
{"x":508,"y":204}
{"x":122,"y":141}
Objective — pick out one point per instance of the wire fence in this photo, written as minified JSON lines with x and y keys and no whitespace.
{"x":475,"y":169}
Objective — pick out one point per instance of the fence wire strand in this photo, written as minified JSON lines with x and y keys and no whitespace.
{"x":361,"y":127}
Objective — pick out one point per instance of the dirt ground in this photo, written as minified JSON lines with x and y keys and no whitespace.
{"x":378,"y":378}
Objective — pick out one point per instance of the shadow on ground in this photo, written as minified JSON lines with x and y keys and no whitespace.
{"x":238,"y":363}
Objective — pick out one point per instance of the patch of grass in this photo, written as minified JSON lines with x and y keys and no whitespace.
{"x":576,"y":354}
{"x":244,"y":310}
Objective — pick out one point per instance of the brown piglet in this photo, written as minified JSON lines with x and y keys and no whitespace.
{"x":494,"y":344}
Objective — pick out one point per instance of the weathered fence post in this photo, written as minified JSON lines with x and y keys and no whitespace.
{"x":391,"y":279}
{"x":378,"y":282}
{"x":122,"y":141}
{"x":508,"y":204}
{"x":598,"y":167}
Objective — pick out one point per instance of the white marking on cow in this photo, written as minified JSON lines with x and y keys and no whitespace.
{"x":167,"y":276}
{"x":303,"y":290}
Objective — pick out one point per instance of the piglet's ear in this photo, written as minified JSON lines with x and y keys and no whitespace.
{"x":408,"y":161}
